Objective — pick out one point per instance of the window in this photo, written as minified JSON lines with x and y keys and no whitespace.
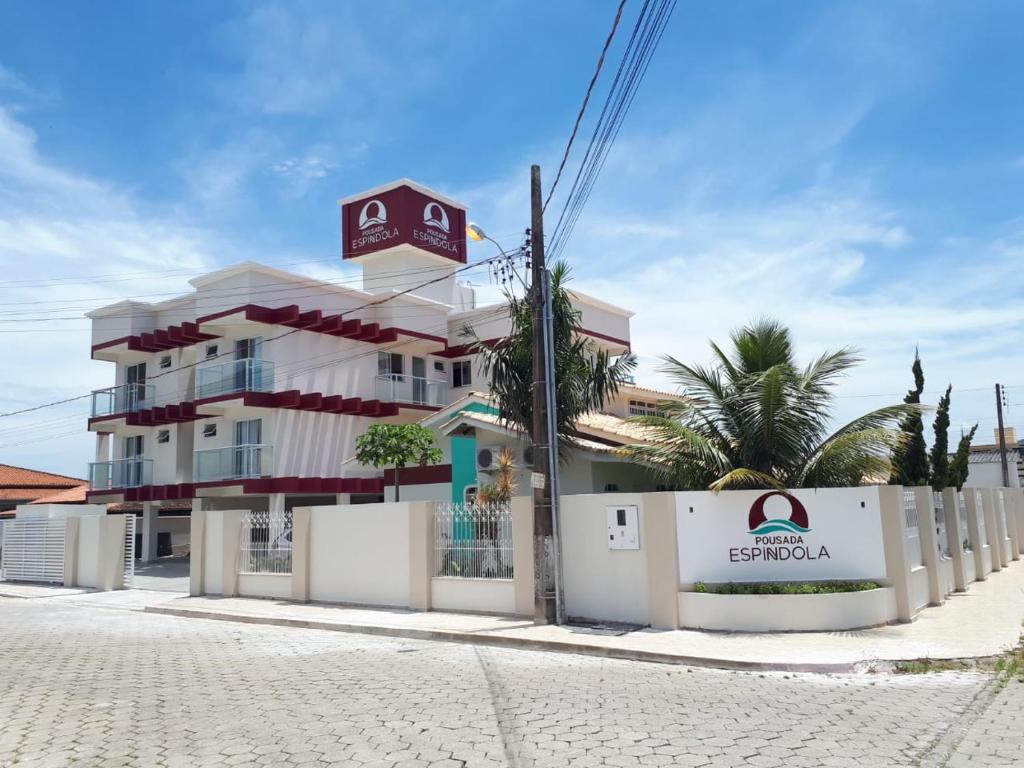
{"x":163,"y":436}
{"x":439,"y":366}
{"x":165,"y":361}
{"x":389,"y":364}
{"x":209,"y":430}
{"x":614,"y":488}
{"x":211,"y":351}
{"x":249,"y":348}
{"x":462,"y":373}
{"x":644,"y":408}
{"x":135,"y":374}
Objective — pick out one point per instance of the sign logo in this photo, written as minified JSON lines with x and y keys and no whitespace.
{"x":434,"y":215}
{"x":758,"y":523}
{"x":372,"y":213}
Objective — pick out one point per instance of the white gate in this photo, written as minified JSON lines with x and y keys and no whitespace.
{"x":129,"y":549}
{"x":33,"y":550}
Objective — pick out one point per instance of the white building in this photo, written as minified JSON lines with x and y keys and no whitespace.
{"x":249,"y":391}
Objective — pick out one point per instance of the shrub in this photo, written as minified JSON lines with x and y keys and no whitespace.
{"x":786,"y":587}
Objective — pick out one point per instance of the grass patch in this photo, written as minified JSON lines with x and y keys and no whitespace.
{"x":786,"y":587}
{"x":926,"y":666}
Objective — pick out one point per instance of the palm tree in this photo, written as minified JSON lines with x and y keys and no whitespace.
{"x":755,"y":419}
{"x":585,"y":376}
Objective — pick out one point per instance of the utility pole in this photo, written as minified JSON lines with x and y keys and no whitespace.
{"x":1002,"y":436}
{"x":543,"y":521}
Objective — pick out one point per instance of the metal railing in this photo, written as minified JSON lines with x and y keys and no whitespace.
{"x":246,"y":375}
{"x":126,"y":398}
{"x":233,"y":462}
{"x":132,"y":472}
{"x":913,"y":533}
{"x":979,"y":505}
{"x":473,"y":541}
{"x":965,"y":529}
{"x":398,"y":388}
{"x":266,"y":542}
{"x":940,"y":524}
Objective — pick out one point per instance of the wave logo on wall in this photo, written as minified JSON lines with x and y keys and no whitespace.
{"x":758,"y":522}
{"x":373,"y":212}
{"x":434,"y":215}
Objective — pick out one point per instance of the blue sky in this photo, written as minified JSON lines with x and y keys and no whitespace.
{"x":854,"y":169}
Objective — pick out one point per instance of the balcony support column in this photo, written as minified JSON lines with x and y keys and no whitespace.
{"x":102,"y":447}
{"x":150,"y":513}
{"x":275,"y":502}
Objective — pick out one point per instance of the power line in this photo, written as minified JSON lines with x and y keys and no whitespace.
{"x":583,"y":107}
{"x":647,"y":32}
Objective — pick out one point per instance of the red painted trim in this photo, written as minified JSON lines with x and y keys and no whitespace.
{"x":605,"y":336}
{"x":305,"y":485}
{"x":437,"y":473}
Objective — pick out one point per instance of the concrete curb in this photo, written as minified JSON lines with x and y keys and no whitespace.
{"x":521,"y":643}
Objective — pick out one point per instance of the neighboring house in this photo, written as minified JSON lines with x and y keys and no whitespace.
{"x":985,"y":467}
{"x":471,"y":434}
{"x":20,"y":485}
{"x":250,"y":390}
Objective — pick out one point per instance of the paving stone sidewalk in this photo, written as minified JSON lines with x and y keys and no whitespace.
{"x":985,"y":621}
{"x":84,"y":682}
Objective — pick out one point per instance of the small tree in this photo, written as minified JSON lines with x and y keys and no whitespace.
{"x":940,"y":448}
{"x":504,"y":485}
{"x":397,"y":445}
{"x":910,"y":460}
{"x":958,"y":466}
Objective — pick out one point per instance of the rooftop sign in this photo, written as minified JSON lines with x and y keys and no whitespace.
{"x":403,"y":215}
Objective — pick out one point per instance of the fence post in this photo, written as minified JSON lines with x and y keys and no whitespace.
{"x":951,"y":509}
{"x":231,"y":550}
{"x":197,"y":552}
{"x":71,"y":552}
{"x":301,"y":521}
{"x":1018,"y":503}
{"x":995,"y":537}
{"x":1012,"y":529}
{"x":421,"y":553}
{"x":658,"y":534}
{"x":929,"y":543}
{"x":522,"y":554}
{"x":975,"y":516}
{"x":894,"y":534}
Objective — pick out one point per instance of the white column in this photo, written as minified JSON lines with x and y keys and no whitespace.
{"x":150,"y":513}
{"x":275,"y":502}
{"x":343,"y":498}
{"x":102,"y":447}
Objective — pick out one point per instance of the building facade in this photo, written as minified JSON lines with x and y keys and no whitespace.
{"x":250,"y":391}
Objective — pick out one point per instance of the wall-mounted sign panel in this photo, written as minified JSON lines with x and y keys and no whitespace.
{"x":403,"y":216}
{"x":799,"y":535}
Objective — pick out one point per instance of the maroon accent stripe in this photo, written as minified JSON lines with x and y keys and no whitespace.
{"x":308,"y":485}
{"x":605,"y":336}
{"x":437,"y":473}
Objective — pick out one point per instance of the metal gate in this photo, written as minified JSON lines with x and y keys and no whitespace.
{"x":129,"y":550}
{"x":33,"y":550}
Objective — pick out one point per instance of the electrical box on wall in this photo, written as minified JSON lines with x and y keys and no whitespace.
{"x":623,"y":527}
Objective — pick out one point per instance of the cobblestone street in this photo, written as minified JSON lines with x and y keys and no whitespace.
{"x":91,"y":683}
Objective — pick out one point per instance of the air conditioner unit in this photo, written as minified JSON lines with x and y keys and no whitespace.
{"x":487,"y":458}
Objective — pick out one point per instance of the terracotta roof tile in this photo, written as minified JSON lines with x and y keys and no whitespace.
{"x":74,"y":495}
{"x":22,"y":477}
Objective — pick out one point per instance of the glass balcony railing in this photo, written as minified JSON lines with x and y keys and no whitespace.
{"x":398,"y":388}
{"x":120,"y":473}
{"x":126,"y":398}
{"x":246,"y":375}
{"x":234,"y":462}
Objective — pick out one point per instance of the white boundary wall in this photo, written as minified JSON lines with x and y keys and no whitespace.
{"x":360,"y":554}
{"x":382,"y":555}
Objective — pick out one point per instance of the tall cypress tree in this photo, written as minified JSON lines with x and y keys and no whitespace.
{"x":940,"y":447}
{"x":910,"y":462}
{"x":958,"y":467}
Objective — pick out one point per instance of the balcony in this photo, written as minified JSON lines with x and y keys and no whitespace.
{"x":246,"y":375}
{"x":414,"y":390}
{"x":234,"y":462}
{"x":120,"y":473}
{"x":126,"y":398}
